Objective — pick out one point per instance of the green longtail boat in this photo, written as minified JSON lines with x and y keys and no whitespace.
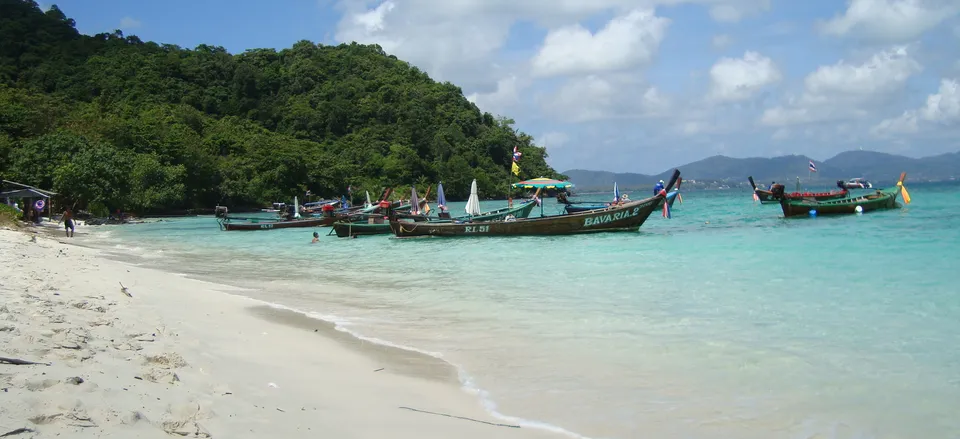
{"x":881,"y":199}
{"x":346,"y":229}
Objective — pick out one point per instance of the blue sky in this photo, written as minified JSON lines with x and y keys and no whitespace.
{"x":633,"y":85}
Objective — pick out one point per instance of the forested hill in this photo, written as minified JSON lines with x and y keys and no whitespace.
{"x":116,"y":122}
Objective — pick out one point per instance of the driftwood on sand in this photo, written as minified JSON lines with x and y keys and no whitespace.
{"x":19,"y":362}
{"x":17,"y":431}
{"x":459,"y":417}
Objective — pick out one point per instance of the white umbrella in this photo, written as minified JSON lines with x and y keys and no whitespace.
{"x":414,"y":202}
{"x":473,"y":203}
{"x":296,"y":208}
{"x":368,"y":199}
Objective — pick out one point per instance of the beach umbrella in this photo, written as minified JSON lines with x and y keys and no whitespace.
{"x":296,"y":208}
{"x":414,"y":202}
{"x":368,"y":200}
{"x":616,"y":192}
{"x":441,"y":199}
{"x":473,"y":203}
{"x":543,"y":183}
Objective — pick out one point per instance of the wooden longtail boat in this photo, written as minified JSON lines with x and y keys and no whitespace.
{"x":628,"y":216}
{"x":268,"y":224}
{"x":768,"y":197}
{"x":345,"y":229}
{"x":881,"y":199}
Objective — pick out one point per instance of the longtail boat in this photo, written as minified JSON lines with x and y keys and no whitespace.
{"x":881,"y":199}
{"x":628,"y":216}
{"x":345,"y":229}
{"x":768,"y":197}
{"x":235,"y":223}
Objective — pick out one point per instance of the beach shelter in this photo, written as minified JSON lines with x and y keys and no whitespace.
{"x":473,"y":203}
{"x":38,"y":199}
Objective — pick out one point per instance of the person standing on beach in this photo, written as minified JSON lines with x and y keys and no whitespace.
{"x":67,"y":219}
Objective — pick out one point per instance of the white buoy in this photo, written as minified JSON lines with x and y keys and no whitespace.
{"x":859,"y":209}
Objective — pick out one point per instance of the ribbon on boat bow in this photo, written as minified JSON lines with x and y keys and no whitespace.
{"x":666,"y":204}
{"x":903,"y":191}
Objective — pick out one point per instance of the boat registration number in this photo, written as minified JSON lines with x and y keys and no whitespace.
{"x":266,"y":226}
{"x":603,"y":219}
{"x":476,"y":229}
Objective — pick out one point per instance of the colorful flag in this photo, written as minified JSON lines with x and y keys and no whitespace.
{"x":515,"y":169}
{"x":813,"y":167}
{"x":516,"y":154}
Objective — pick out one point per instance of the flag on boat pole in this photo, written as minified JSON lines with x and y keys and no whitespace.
{"x":515,"y":168}
{"x":813,"y":167}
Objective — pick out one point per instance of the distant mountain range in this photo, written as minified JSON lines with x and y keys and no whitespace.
{"x":720,"y":170}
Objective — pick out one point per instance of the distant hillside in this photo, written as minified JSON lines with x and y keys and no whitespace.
{"x":876,"y":166}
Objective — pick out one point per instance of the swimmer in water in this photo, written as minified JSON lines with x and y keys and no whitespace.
{"x":316,"y":238}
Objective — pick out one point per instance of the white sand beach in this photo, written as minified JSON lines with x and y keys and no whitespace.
{"x":185,"y":358}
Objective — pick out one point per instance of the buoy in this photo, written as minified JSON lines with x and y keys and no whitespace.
{"x":859,"y":209}
{"x":813,"y":212}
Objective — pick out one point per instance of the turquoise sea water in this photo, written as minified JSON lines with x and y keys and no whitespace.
{"x":727,"y":321}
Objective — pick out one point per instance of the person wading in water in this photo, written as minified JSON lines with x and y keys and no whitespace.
{"x":67,"y":219}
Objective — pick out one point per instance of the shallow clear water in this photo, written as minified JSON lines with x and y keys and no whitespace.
{"x":727,"y":321}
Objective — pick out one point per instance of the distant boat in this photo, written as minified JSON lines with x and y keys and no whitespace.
{"x":856,"y":183}
{"x":767,"y":196}
{"x":881,"y":199}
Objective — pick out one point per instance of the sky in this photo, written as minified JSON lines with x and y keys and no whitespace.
{"x":632,"y":85}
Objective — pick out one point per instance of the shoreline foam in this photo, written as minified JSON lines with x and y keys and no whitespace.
{"x":185,"y":356}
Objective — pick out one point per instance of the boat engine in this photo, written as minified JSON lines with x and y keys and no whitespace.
{"x":777,"y":190}
{"x":220,"y":211}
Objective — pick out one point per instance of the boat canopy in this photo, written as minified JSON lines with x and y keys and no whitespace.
{"x":543,"y":183}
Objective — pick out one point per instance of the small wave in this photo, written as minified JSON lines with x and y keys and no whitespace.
{"x":467,"y":382}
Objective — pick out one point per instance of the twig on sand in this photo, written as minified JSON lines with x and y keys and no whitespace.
{"x":123,"y":290}
{"x":461,"y":417}
{"x":16,"y":432}
{"x":378,"y":370}
{"x":19,"y":362}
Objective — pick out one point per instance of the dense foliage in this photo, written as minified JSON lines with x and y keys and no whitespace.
{"x":116,"y":122}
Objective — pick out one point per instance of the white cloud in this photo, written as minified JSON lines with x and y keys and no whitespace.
{"x":129,"y":23}
{"x":732,"y":11}
{"x":499,"y":101}
{"x":890,"y":21}
{"x":721,"y":41}
{"x":738,"y":79}
{"x":843,"y":90}
{"x":941,"y":108}
{"x":553,"y":140}
{"x":594,"y":98}
{"x":626,"y":41}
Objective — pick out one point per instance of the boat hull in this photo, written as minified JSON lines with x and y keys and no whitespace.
{"x":270,"y":225}
{"x":627,"y":217}
{"x":347,"y":229}
{"x":886,"y":199}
